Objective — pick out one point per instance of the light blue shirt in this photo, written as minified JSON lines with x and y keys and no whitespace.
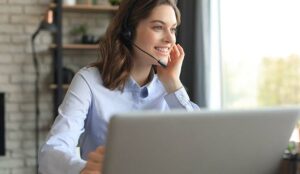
{"x":86,"y":110}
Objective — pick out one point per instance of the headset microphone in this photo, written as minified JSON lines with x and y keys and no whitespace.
{"x":126,"y":37}
{"x":127,"y":40}
{"x":158,"y":61}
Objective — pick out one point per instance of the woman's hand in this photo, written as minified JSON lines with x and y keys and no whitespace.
{"x":170,"y":76}
{"x":95,"y":162}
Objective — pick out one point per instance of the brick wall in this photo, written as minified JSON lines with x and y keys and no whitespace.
{"x":18,"y":20}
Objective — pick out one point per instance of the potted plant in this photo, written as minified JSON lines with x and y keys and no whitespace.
{"x":115,"y":2}
{"x":80,"y":35}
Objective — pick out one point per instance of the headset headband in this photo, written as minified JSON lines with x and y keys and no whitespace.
{"x":126,"y":19}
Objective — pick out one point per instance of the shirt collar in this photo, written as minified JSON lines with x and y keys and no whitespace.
{"x":132,"y":85}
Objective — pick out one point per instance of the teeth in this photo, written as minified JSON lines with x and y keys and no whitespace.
{"x":162,"y":49}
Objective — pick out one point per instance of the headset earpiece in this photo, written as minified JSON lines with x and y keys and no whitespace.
{"x":126,"y":37}
{"x":126,"y":32}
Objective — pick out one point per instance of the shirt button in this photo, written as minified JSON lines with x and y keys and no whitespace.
{"x":144,"y":93}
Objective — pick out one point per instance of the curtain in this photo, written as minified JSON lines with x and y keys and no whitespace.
{"x":194,"y":36}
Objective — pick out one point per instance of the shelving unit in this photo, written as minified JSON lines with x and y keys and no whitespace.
{"x":58,"y":47}
{"x":86,"y":8}
{"x":54,"y":86}
{"x":76,"y":46}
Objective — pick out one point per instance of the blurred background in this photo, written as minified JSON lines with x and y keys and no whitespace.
{"x":239,"y":55}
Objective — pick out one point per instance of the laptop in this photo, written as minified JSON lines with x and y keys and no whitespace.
{"x":199,"y":142}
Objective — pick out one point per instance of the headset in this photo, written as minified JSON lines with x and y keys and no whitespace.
{"x":126,"y":35}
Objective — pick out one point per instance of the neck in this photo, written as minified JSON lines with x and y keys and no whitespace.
{"x":141,"y":74}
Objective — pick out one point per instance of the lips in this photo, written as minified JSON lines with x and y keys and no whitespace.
{"x":163,"y":50}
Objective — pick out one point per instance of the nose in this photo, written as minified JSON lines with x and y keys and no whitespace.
{"x":169,"y":37}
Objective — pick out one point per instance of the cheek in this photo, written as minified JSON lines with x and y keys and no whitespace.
{"x":148,"y":40}
{"x":144,"y":37}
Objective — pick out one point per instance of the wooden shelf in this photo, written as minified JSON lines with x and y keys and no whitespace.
{"x":77,"y":46}
{"x":54,"y":86}
{"x":58,"y":16}
{"x":87,"y":8}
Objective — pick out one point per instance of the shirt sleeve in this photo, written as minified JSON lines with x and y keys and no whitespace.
{"x":58,"y":154}
{"x":180,"y":100}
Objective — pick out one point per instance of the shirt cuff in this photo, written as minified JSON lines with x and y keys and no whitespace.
{"x":178,"y":100}
{"x":77,"y":166}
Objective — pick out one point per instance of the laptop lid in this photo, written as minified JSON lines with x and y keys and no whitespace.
{"x":208,"y":142}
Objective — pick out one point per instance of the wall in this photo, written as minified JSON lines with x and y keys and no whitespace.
{"x":18,"y":20}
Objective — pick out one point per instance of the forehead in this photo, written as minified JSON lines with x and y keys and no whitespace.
{"x":163,"y":13}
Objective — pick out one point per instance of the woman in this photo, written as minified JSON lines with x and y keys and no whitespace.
{"x":139,"y":70}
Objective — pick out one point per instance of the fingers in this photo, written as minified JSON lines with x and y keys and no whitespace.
{"x":180,"y":50}
{"x":96,"y":157}
{"x":100,"y":149}
{"x":177,"y":51}
{"x":93,"y":166}
{"x":90,"y":172}
{"x":95,"y":161}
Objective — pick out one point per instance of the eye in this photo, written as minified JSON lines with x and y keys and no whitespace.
{"x":174,"y":30}
{"x":158,"y":27}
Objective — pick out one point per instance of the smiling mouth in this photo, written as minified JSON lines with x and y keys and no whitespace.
{"x":163,"y":50}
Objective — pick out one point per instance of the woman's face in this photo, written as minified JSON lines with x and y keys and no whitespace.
{"x":156,"y":35}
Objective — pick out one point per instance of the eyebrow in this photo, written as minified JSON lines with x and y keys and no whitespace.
{"x":162,"y":22}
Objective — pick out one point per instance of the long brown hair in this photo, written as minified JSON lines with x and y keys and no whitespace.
{"x":115,"y":58}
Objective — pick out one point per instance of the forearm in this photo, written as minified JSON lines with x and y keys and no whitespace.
{"x":54,"y":160}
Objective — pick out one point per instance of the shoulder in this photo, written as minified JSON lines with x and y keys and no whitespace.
{"x":90,"y":75}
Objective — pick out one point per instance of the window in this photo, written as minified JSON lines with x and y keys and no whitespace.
{"x":259,"y":46}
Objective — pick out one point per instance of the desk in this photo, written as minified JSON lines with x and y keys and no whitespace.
{"x":289,"y":164}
